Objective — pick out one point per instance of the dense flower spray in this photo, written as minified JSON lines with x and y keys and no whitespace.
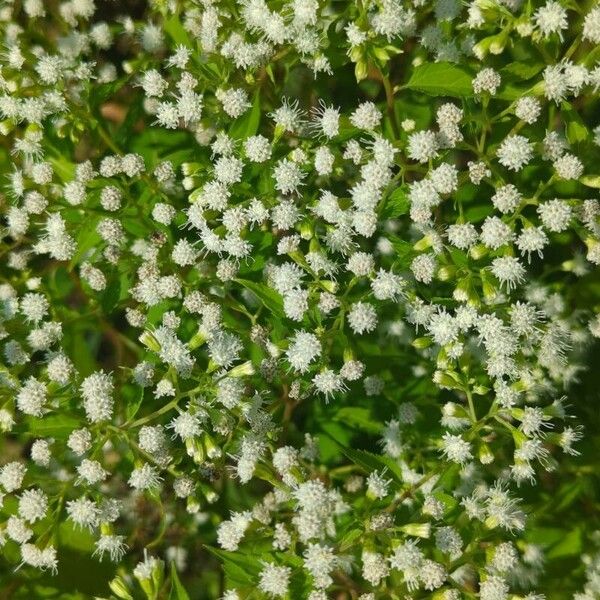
{"x":298,"y":299}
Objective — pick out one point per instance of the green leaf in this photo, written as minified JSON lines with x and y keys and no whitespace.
{"x":575,"y":129}
{"x":240,"y":569}
{"x":441,"y":79}
{"x":177,"y":590}
{"x":349,"y":538}
{"x":88,"y":237}
{"x":374,"y":462}
{"x":521,"y":70}
{"x":101,"y":93}
{"x":403,"y":249}
{"x":247,"y":125}
{"x":474,"y":214}
{"x":358,"y":417}
{"x":176,"y":31}
{"x":133,"y":405}
{"x":56,"y":426}
{"x":60,"y":282}
{"x":111,"y":295}
{"x":270,"y":298}
{"x":569,"y":545}
{"x":396,"y":204}
{"x":592,"y":181}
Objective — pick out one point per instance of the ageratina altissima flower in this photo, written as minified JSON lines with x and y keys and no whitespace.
{"x":311,"y":282}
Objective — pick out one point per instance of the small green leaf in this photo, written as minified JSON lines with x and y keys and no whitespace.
{"x":575,"y":129}
{"x":569,"y":545}
{"x":403,"y":249}
{"x":521,"y":70}
{"x":374,"y":462}
{"x":56,"y":426}
{"x":441,"y":79}
{"x":270,"y":298}
{"x":592,"y":181}
{"x":111,"y":295}
{"x":177,"y":590}
{"x":348,"y":540}
{"x":247,"y":125}
{"x":358,"y":417}
{"x":474,"y":214}
{"x":240,"y":569}
{"x":88,"y":237}
{"x":176,"y":31}
{"x":396,"y":204}
{"x":133,"y":406}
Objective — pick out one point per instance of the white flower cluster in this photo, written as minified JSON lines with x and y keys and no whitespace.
{"x":331,"y":325}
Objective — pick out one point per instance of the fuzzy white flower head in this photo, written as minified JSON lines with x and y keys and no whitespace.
{"x":274,"y":580}
{"x":515,"y":152}
{"x":304,"y":348}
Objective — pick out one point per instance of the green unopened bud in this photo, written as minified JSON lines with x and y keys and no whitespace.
{"x":314,"y":245}
{"x":246,"y":368}
{"x":446,"y":273}
{"x":422,"y":342}
{"x":306,"y":230}
{"x":195,"y":450}
{"x":443,"y":379}
{"x":158,"y":574}
{"x":423,"y":244}
{"x":197,"y":340}
{"x":147,"y":338}
{"x":422,"y":530}
{"x":356,"y":53}
{"x":189,"y":168}
{"x":119,"y":588}
{"x":481,"y":390}
{"x":210,"y":494}
{"x":213,"y":450}
{"x":330,"y":286}
{"x":128,"y":66}
{"x":485,"y":455}
{"x":192,"y":505}
{"x":478,"y":252}
{"x":361,"y":70}
{"x":381,"y":54}
{"x":489,"y":289}
{"x":6,"y":126}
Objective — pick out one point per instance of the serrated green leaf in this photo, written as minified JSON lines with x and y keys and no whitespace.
{"x":396,"y":204}
{"x":374,"y":462}
{"x":358,"y":417}
{"x":575,"y":129}
{"x":349,"y":538}
{"x":55,"y":426}
{"x":240,"y":569}
{"x":88,"y":237}
{"x":404,"y":250}
{"x":270,"y":298}
{"x":522,"y":70}
{"x":247,"y":125}
{"x":441,"y":79}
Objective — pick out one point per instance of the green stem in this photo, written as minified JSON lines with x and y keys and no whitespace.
{"x":389,"y":98}
{"x":471,"y":405}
